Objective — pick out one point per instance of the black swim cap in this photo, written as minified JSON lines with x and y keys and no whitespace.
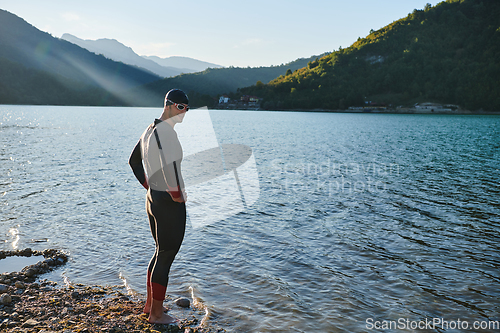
{"x":176,"y":96}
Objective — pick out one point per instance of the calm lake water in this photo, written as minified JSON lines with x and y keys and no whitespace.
{"x":361,"y":218}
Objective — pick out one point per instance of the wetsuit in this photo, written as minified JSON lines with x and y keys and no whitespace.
{"x":160,"y":153}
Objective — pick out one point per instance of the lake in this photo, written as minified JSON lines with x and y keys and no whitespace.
{"x":361,"y":221}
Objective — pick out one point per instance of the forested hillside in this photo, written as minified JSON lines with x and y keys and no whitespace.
{"x":449,"y":53}
{"x":21,"y":85}
{"x":203,"y":87}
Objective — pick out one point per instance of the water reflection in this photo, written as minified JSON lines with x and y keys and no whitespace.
{"x":14,"y":233}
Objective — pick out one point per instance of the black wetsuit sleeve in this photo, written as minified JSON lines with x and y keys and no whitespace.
{"x":135,"y":162}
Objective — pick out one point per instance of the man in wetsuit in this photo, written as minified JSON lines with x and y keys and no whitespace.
{"x":160,"y":153}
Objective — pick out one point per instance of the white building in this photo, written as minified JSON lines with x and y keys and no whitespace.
{"x":223,"y":99}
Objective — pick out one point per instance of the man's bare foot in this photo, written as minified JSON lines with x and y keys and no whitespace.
{"x":164,"y":319}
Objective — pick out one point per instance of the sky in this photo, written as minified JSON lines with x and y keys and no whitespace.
{"x":227,"y":33}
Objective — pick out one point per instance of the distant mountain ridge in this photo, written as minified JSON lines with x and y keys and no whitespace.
{"x":36,"y":68}
{"x":166,"y":67}
{"x":188,"y":65}
{"x":53,"y":65}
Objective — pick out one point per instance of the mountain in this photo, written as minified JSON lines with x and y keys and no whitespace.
{"x":112,"y":49}
{"x":22,"y":85}
{"x":449,"y":54}
{"x":164,"y":67}
{"x":63,"y":66}
{"x":185,"y":64}
{"x":203,"y":87}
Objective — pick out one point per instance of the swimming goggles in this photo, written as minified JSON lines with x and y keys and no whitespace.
{"x":180,"y":106}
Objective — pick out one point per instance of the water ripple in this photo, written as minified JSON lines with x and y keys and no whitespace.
{"x":360,"y":216}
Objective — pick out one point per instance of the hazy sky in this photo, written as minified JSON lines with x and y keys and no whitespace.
{"x":228,"y":33}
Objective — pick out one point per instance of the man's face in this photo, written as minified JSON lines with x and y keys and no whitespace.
{"x":175,"y":114}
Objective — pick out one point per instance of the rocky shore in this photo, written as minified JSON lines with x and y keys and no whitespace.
{"x":28,"y":304}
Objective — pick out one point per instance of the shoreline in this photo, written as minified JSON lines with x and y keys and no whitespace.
{"x":28,"y":304}
{"x":374,"y":111}
{"x":385,"y":111}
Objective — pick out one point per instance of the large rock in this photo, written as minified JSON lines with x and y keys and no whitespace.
{"x":183,"y":302}
{"x":5,"y":299}
{"x":3,"y":288}
{"x":30,"y":272}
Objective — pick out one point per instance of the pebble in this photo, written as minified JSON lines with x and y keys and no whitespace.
{"x":3,"y":288}
{"x":19,"y":285}
{"x":5,"y":299}
{"x":183,"y":302}
{"x":31,"y":322}
{"x":129,"y":318}
{"x":30,"y":272}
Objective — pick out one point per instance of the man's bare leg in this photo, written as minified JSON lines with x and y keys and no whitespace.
{"x":149,"y":301}
{"x":157,"y":316}
{"x":149,"y":297}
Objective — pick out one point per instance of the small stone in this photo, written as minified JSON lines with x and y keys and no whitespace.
{"x":19,"y":285}
{"x":5,"y":299}
{"x":129,"y":318}
{"x":31,"y":322}
{"x":30,"y":272}
{"x":3,"y":288}
{"x":75,"y":294}
{"x":183,"y":302}
{"x":26,"y":252}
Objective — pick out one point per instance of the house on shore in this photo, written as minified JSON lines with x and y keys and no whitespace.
{"x":434,"y":107}
{"x":224,"y":99}
{"x":250,"y":100}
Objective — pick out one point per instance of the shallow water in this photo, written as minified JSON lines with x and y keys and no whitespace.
{"x":360,"y":216}
{"x":17,"y":263}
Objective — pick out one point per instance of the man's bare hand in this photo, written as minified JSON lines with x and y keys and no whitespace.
{"x":182,"y":198}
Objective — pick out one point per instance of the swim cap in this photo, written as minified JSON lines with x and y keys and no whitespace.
{"x":176,"y":96}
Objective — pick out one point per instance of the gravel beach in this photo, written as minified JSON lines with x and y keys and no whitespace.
{"x":28,"y":304}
